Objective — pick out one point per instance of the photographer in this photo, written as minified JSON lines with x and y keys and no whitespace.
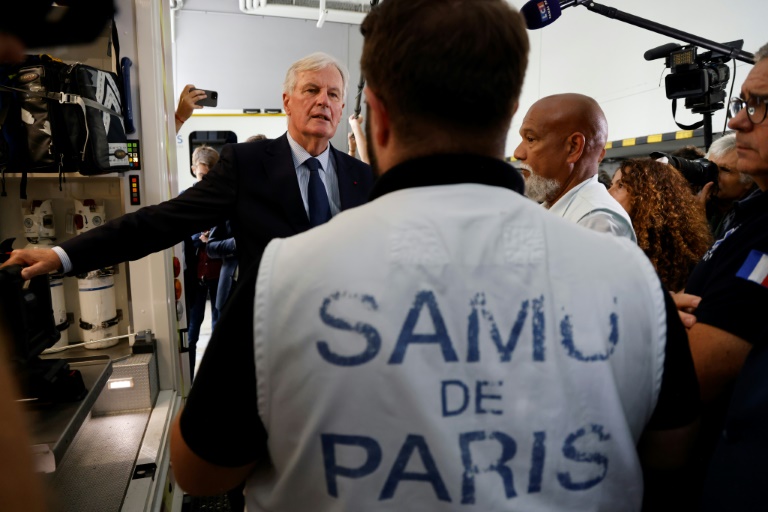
{"x":714,"y":179}
{"x":731,"y":187}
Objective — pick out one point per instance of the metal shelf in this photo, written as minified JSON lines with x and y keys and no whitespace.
{"x":56,"y":426}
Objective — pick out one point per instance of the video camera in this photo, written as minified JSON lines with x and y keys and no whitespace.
{"x":699,"y":78}
{"x":698,"y":172}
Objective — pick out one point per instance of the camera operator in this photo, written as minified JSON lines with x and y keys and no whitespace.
{"x":731,"y":280}
{"x":691,"y":152}
{"x":714,"y":178}
{"x":699,"y":171}
{"x":731,"y":187}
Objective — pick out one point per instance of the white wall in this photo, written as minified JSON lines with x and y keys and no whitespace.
{"x":244,"y":57}
{"x":595,"y":55}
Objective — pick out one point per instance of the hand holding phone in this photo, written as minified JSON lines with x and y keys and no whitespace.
{"x":211,"y":98}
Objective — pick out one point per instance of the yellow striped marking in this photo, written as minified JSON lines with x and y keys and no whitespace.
{"x":685,"y":134}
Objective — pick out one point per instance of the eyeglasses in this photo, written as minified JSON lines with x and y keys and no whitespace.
{"x":755,"y":105}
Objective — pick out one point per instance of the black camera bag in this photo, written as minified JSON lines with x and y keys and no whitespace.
{"x":63,"y":118}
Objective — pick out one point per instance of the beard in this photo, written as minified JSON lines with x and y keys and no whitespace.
{"x":373,"y":162}
{"x":541,"y":189}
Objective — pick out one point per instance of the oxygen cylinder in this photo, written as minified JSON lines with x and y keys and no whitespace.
{"x":96,"y":289}
{"x":98,"y":313}
{"x":40,"y":231}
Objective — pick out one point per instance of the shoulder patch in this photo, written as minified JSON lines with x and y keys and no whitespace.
{"x":755,"y":268}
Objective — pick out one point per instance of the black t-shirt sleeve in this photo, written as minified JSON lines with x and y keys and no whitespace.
{"x":728,"y":279}
{"x":728,"y":298}
{"x":220,"y":421}
{"x":678,"y":403}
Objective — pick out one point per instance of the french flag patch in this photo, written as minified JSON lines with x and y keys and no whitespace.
{"x":755,"y":268}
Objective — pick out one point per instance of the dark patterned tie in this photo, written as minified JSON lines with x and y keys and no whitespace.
{"x":319,"y":207}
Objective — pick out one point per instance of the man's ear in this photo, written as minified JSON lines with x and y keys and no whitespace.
{"x":286,"y":101}
{"x":602,"y":155}
{"x":576,"y":144}
{"x":380,"y":125}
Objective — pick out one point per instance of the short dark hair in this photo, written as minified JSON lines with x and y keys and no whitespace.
{"x":456,"y":64}
{"x":689,"y":152}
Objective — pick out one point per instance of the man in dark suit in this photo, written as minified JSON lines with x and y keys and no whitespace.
{"x":265,"y":188}
{"x":222,"y":246}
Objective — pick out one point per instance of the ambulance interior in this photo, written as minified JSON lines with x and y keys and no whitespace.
{"x":109,"y":450}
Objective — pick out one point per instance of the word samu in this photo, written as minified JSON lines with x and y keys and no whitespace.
{"x":431,"y":474}
{"x":426,"y":299}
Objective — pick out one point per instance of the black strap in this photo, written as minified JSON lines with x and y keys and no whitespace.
{"x":63,"y":97}
{"x":3,"y":112}
{"x":23,"y":185}
{"x":115,"y":43}
{"x":693,"y":126}
{"x":3,"y":115}
{"x":115,"y":40}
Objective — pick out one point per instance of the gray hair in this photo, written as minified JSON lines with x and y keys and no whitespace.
{"x":722,"y":147}
{"x":761,"y":53}
{"x":205,"y":155}
{"x":314,"y":62}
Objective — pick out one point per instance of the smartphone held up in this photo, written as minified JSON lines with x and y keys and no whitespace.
{"x":211,"y":99}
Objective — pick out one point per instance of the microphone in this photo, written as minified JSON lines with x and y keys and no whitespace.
{"x":540,"y":13}
{"x":661,"y":51}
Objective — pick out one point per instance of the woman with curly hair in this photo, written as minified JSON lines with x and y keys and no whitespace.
{"x":670,"y":224}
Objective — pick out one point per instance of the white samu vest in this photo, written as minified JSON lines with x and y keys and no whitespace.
{"x":454,"y":348}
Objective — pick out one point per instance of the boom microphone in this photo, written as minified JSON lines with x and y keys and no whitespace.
{"x":661,"y":51}
{"x":540,"y":13}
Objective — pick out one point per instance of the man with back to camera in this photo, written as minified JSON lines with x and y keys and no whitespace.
{"x":444,"y":345}
{"x":563,"y":144}
{"x":728,"y":340}
{"x":265,"y":188}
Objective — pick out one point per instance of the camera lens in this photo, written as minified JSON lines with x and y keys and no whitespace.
{"x":215,"y":95}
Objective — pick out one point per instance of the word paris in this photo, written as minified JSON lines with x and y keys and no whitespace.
{"x":472,"y":446}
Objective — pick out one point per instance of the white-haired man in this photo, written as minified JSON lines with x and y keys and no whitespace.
{"x":266,"y":189}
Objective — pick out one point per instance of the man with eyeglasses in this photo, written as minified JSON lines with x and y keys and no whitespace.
{"x":729,"y":340}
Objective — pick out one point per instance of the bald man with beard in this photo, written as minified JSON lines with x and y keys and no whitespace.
{"x":563,"y":143}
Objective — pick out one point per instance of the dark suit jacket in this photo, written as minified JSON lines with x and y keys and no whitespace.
{"x":221,"y":245}
{"x":254,"y":185}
